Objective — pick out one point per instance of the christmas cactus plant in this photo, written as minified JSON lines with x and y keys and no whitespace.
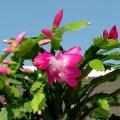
{"x":55,"y":89}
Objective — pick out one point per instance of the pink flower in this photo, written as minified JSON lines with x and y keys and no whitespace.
{"x":113,"y":34}
{"x":4,"y":70}
{"x":58,"y":19}
{"x":62,"y":68}
{"x":9,"y":49}
{"x":44,"y":42}
{"x":47,"y":32}
{"x":19,"y":39}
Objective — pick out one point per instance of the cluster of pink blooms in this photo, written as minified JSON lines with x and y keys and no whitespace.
{"x":113,"y":34}
{"x":14,"y":44}
{"x":47,"y":32}
{"x":62,"y":68}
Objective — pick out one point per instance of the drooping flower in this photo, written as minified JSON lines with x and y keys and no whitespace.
{"x":47,"y":32}
{"x":44,"y":42}
{"x":62,"y":68}
{"x":58,"y":18}
{"x":4,"y":70}
{"x":19,"y":39}
{"x":112,"y":34}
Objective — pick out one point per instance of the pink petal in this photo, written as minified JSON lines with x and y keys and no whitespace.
{"x":113,"y":34}
{"x":69,"y":60}
{"x":74,"y":50}
{"x":58,"y":18}
{"x":71,"y":82}
{"x":47,"y":32}
{"x":73,"y":73}
{"x":41,"y":61}
{"x":69,"y":76}
{"x":105,"y":34}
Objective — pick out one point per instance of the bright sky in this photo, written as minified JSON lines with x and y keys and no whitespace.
{"x":17,"y":16}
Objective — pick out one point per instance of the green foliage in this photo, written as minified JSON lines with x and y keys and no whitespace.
{"x":114,"y":56}
{"x":15,"y":92}
{"x":28,"y":96}
{"x":55,"y":43}
{"x":97,"y":65}
{"x":71,"y":27}
{"x":25,"y":48}
{"x":3,"y":114}
{"x":1,"y":84}
{"x":38,"y":101}
{"x":14,"y":81}
{"x":35,"y":86}
{"x":106,"y":44}
{"x":100,"y":113}
{"x":76,"y":25}
{"x":103,"y":103}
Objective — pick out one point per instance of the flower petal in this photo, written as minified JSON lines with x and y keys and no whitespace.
{"x":74,"y":50}
{"x":69,"y":60}
{"x":41,"y":61}
{"x":69,"y":76}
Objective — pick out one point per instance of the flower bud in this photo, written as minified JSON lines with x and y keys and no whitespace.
{"x":3,"y":100}
{"x":4,"y":70}
{"x":58,"y":18}
{"x":113,"y":34}
{"x":26,"y":70}
{"x":19,"y":39}
{"x":8,"y":62}
{"x":9,"y":49}
{"x":47,"y":32}
{"x":105,"y":34}
{"x":44,"y":42}
{"x":8,"y":41}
